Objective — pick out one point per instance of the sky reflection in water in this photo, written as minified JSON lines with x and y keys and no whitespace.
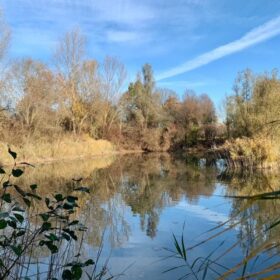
{"x":140,"y":200}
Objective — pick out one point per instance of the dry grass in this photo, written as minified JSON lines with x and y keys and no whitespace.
{"x":260,"y":152}
{"x":65,"y":148}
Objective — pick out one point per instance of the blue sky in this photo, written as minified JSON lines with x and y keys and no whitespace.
{"x":195,"y":44}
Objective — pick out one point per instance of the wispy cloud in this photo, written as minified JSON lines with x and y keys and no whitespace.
{"x":182,"y":84}
{"x":257,"y":35}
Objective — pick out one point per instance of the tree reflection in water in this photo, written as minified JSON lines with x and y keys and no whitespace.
{"x":146,"y":184}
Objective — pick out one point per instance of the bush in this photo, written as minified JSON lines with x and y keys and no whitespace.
{"x":259,"y":152}
{"x":29,"y":221}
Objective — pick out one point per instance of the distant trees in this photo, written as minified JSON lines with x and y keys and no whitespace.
{"x":143,"y":114}
{"x":34,"y":82}
{"x":78,"y":95}
{"x":193,"y":119}
{"x":254,"y":106}
{"x":159,"y":120}
{"x":253,"y":120}
{"x":89,"y":89}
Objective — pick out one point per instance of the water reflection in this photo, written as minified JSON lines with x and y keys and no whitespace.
{"x":153,"y":195}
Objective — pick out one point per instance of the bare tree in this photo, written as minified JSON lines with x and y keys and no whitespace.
{"x":112,"y":75}
{"x":69,"y":55}
{"x":69,"y":58}
{"x":34,"y":83}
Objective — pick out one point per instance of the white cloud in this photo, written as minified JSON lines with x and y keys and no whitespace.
{"x":122,"y":11}
{"x":257,"y":35}
{"x":202,"y":212}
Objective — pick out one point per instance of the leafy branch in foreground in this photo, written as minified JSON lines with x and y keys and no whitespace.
{"x":29,"y":222}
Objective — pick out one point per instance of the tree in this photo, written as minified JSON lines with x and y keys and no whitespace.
{"x":254,"y":105}
{"x":36,"y":106}
{"x":148,"y":78}
{"x":112,"y":77}
{"x":143,"y":113}
{"x":69,"y":59}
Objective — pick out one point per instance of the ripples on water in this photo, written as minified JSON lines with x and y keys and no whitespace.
{"x":138,"y":201}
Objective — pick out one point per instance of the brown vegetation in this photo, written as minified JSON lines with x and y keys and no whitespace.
{"x":253,"y":121}
{"x":47,"y":111}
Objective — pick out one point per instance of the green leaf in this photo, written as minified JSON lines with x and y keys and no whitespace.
{"x":3,"y":224}
{"x":47,"y":201}
{"x":44,"y":216}
{"x":76,"y":272}
{"x":6,"y":184}
{"x":33,"y":187}
{"x":20,"y":233}
{"x":89,"y":262}
{"x":59,"y":197}
{"x":13,"y":154}
{"x":17,"y":172}
{"x":71,"y":199}
{"x":53,"y":248}
{"x":71,"y":233}
{"x":66,"y":274}
{"x":46,"y":226}
{"x":183,"y":248}
{"x":12,"y":224}
{"x":7,"y":197}
{"x":52,"y":237}
{"x":17,"y":209}
{"x":68,"y":206}
{"x":19,"y":217}
{"x":66,"y":236}
{"x":16,"y":249}
{"x":177,"y":246}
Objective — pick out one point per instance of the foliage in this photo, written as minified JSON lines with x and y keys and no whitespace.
{"x":258,"y":152}
{"x":77,"y":95}
{"x":253,"y":120}
{"x":157,"y":113}
{"x":29,"y":221}
{"x":254,"y":107}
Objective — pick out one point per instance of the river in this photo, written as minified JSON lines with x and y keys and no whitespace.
{"x":137,"y":202}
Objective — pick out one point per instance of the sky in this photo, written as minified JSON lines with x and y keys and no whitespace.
{"x":191,"y":44}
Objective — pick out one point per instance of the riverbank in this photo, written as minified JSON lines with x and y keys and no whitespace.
{"x":67,"y":148}
{"x":247,"y":153}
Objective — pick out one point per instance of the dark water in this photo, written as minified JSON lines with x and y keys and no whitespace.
{"x":138,"y":201}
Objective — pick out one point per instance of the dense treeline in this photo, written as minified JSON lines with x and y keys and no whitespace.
{"x":253,"y":119}
{"x":77,"y":95}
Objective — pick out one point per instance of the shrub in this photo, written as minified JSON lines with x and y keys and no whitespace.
{"x":259,"y":152}
{"x":29,"y":221}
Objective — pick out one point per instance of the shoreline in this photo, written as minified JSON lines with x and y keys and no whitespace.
{"x":93,"y":156}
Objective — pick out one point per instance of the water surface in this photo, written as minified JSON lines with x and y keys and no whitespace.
{"x":137,"y":202}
